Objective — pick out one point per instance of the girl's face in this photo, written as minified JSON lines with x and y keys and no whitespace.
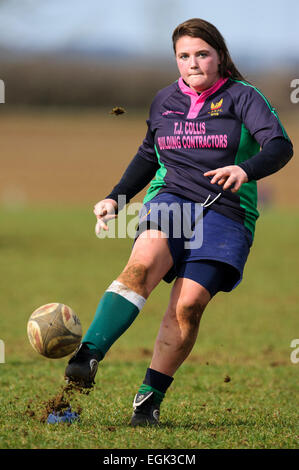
{"x":198,"y":62}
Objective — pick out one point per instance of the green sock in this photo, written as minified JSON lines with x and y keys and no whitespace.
{"x":116,"y":311}
{"x":158,"y":396}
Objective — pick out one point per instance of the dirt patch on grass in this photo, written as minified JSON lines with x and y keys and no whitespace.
{"x":145,"y":352}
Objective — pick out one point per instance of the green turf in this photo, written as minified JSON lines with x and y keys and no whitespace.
{"x":52,"y":255}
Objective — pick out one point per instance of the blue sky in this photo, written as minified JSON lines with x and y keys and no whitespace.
{"x":263,"y":29}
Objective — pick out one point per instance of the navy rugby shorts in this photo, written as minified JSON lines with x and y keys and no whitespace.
{"x":206,"y":246}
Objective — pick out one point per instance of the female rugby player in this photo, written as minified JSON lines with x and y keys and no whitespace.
{"x":211,"y":135}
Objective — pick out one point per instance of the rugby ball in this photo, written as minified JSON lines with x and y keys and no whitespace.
{"x":54,"y":330}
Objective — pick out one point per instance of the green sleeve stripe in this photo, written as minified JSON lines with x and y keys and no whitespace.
{"x":158,"y":181}
{"x":273,"y":111}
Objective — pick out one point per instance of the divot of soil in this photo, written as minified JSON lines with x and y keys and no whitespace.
{"x":60,"y":402}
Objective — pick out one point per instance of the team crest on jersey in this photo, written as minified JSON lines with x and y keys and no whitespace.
{"x":216,"y":108}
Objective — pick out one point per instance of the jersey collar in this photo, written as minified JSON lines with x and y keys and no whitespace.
{"x":197,"y":101}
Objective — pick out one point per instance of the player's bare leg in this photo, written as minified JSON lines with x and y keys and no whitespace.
{"x":179,"y":326}
{"x":175,"y":340}
{"x":149,"y":262}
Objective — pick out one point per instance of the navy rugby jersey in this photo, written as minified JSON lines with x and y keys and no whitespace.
{"x":190,"y":133}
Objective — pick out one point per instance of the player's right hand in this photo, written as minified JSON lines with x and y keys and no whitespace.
{"x":104,"y":211}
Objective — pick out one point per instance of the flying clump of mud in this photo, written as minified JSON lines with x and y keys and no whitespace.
{"x":117,"y":111}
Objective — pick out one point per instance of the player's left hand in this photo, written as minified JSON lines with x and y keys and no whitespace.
{"x":232,"y":176}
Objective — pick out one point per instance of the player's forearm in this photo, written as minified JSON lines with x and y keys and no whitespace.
{"x":138,"y":174}
{"x":274,"y":156}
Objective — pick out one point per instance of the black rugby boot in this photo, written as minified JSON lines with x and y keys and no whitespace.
{"x":82,"y":367}
{"x":146,"y":412}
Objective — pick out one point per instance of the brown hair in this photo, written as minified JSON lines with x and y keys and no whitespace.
{"x":198,"y":28}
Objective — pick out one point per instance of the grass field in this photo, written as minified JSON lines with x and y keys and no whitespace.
{"x":53,"y":255}
{"x":54,"y":167}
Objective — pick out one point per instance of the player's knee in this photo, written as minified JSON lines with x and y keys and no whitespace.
{"x":189,"y":312}
{"x":135,"y":276}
